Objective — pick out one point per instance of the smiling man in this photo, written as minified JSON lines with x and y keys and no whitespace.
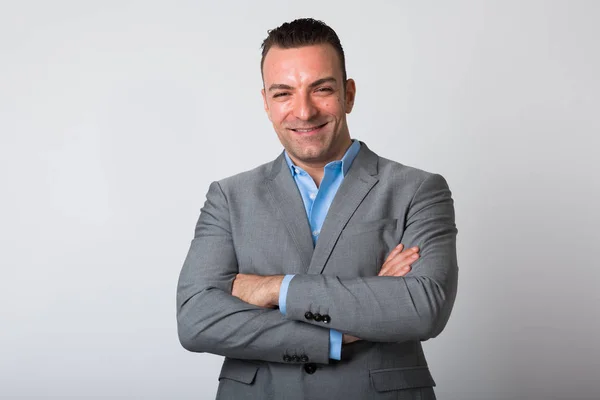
{"x":307,"y":97}
{"x":318,"y":275}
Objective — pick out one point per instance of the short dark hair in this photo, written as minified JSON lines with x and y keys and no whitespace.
{"x":303,"y":32}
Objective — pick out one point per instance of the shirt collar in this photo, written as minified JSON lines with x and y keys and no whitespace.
{"x":346,"y":161}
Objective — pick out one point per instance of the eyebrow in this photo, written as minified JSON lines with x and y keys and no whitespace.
{"x":281,"y":86}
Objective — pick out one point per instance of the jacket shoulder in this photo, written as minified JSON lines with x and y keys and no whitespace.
{"x":410,"y":179}
{"x":394,"y":170}
{"x":251,"y":177}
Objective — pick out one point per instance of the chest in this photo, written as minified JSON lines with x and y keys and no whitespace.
{"x":268,"y":243}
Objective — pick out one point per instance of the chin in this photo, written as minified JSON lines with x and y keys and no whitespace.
{"x":314,"y":155}
{"x":311,"y":150}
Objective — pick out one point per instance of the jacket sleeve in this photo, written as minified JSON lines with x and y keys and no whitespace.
{"x":210,"y":319}
{"x":393,"y":309}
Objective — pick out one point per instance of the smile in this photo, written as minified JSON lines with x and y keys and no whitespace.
{"x":312,"y":129}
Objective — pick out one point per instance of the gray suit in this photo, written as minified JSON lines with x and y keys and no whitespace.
{"x":255,"y":223}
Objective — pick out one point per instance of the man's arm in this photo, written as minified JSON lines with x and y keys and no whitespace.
{"x":388,"y":307}
{"x":393,"y":309}
{"x":268,"y":291}
{"x":210,"y":319}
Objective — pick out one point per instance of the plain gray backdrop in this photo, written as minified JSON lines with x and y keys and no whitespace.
{"x":116,"y":115}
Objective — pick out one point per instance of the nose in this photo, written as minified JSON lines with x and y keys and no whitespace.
{"x":304,"y":108}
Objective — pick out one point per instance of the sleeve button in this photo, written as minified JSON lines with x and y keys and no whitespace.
{"x":317,"y":317}
{"x":310,"y":368}
{"x":308,"y":315}
{"x":326,"y":319}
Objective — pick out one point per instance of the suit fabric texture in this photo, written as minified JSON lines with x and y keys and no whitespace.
{"x":255,"y":223}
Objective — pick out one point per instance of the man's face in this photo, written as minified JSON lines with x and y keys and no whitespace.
{"x":304,"y":98}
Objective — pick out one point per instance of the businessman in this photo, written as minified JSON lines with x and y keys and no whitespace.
{"x":317,"y":275}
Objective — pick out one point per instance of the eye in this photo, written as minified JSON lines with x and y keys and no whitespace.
{"x":280,"y":94}
{"x":324,"y":89}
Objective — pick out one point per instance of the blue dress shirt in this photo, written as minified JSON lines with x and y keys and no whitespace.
{"x":317,"y":202}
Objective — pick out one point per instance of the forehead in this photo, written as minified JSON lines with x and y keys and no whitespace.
{"x":301,"y":63}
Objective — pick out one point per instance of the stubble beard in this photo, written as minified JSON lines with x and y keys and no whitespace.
{"x":313,"y":150}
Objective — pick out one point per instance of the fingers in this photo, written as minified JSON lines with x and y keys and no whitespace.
{"x":347,"y":339}
{"x":396,"y":271}
{"x":395,"y":251}
{"x":398,"y":263}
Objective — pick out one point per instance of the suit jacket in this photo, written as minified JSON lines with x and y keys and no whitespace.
{"x":255,"y":223}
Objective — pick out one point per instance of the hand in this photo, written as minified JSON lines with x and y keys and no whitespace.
{"x":261,"y":291}
{"x":347,"y":339}
{"x":398,"y":262}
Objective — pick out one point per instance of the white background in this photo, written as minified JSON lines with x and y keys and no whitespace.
{"x":116,"y":115}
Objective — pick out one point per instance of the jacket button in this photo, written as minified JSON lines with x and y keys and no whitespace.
{"x":310,"y":368}
{"x":326,"y":319}
{"x":304,"y":358}
{"x":317,"y":317}
{"x":308,"y":315}
{"x":287,"y":358}
{"x":295,"y":358}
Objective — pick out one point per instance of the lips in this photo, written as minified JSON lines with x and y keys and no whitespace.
{"x":308,"y":129}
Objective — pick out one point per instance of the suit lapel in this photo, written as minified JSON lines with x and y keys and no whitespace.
{"x":354,"y":188}
{"x":289,"y":208}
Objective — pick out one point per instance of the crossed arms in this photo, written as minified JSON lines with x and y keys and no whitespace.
{"x":265,"y":291}
{"x":386,"y":308}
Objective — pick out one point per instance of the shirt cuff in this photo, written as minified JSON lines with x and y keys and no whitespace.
{"x":285,"y":283}
{"x":335,"y":345}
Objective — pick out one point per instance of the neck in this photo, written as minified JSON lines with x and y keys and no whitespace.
{"x":316,"y":169}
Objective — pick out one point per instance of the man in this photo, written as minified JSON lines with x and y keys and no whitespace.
{"x":318,"y":274}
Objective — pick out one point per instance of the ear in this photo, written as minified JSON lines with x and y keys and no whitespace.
{"x":350,"y":95}
{"x":265,"y":105}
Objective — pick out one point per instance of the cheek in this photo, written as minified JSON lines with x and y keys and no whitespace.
{"x":335,"y":105}
{"x":333,"y":108}
{"x":278,"y":114}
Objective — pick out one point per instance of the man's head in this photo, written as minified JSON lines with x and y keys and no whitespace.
{"x":303,"y":32}
{"x":306,"y":94}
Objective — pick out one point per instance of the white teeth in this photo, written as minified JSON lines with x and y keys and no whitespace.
{"x":307,"y":129}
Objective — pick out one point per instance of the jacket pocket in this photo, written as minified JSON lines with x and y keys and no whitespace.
{"x":384,"y":380}
{"x":238,"y":370}
{"x":370,"y":226}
